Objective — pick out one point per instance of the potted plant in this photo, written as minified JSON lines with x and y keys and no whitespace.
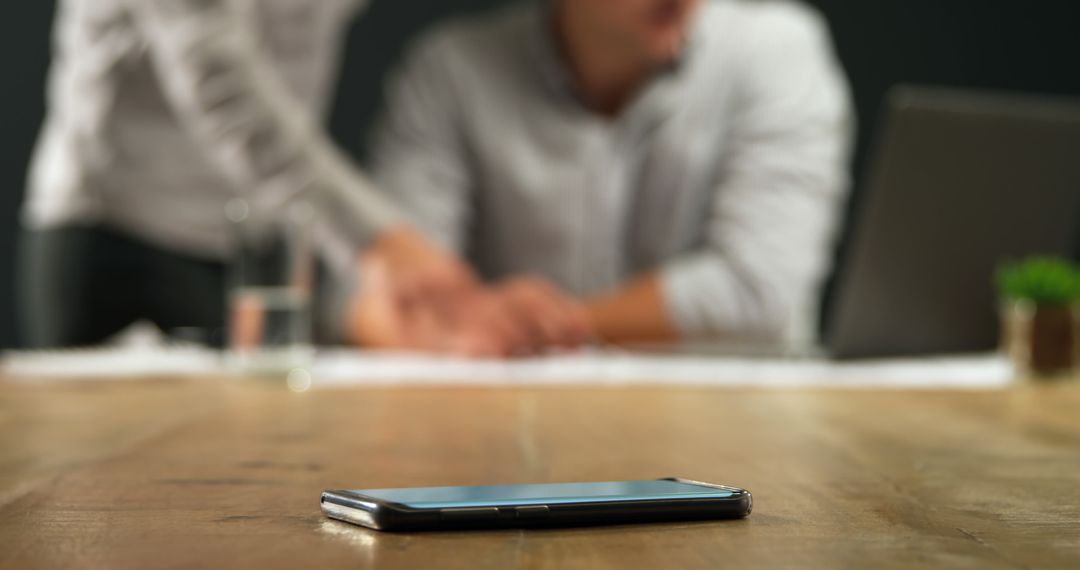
{"x":1041,"y":314}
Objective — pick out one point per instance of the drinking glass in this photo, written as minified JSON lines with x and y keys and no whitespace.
{"x":270,"y":290}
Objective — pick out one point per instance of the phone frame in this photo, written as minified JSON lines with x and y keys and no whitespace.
{"x":378,"y":514}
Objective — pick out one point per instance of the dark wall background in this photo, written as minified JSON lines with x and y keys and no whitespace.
{"x":997,"y":44}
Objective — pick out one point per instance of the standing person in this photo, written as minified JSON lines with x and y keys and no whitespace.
{"x":670,"y":168}
{"x":160,"y":113}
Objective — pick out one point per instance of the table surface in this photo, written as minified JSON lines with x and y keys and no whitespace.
{"x":180,"y":472}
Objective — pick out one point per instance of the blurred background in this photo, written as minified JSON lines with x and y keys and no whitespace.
{"x":993,"y":44}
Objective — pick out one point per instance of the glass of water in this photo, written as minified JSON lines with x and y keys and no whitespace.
{"x":270,"y":291}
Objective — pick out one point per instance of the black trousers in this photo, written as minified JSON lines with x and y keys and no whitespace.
{"x":80,"y":285}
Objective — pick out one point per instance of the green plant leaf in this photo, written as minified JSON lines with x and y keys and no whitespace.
{"x":1046,"y":281}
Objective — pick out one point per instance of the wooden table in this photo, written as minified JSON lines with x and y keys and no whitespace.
{"x":195,"y":473}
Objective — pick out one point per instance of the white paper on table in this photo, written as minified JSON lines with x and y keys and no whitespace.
{"x":602,"y":367}
{"x":596,"y":367}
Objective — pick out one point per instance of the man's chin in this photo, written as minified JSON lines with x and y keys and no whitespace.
{"x":664,"y":53}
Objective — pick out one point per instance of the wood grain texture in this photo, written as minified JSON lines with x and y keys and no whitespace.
{"x":185,"y":473}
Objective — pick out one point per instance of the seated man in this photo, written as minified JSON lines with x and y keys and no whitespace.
{"x":664,"y":169}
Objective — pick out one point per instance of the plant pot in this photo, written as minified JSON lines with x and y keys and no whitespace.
{"x":1043,"y":341}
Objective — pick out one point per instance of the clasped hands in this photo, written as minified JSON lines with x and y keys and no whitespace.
{"x":415,"y":296}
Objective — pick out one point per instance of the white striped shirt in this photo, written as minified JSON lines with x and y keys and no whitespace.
{"x":161,"y":111}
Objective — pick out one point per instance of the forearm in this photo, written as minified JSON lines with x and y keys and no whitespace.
{"x":696,"y":295}
{"x":636,"y":312}
{"x":233,"y":101}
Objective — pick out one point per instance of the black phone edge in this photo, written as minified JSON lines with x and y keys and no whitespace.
{"x":382,"y":515}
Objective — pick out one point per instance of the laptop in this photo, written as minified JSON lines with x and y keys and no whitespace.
{"x":958,"y":183}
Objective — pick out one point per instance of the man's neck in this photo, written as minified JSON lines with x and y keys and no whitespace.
{"x":607,"y":76}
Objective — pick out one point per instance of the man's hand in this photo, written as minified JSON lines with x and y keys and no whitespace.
{"x":419,"y":269}
{"x":400,"y":274}
{"x":415,"y":296}
{"x":549,"y":317}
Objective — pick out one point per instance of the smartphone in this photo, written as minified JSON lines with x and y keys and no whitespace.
{"x":553,"y":504}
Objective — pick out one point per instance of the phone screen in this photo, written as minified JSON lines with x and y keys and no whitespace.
{"x":543,"y":494}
